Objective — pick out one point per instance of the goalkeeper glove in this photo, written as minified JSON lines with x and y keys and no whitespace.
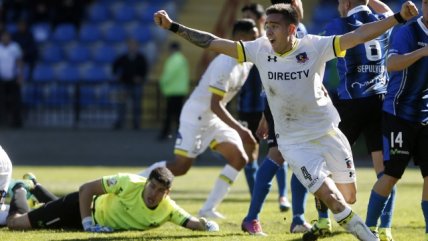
{"x":209,"y":226}
{"x":89,"y":226}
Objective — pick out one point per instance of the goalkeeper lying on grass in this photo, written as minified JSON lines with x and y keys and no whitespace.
{"x":118,"y":202}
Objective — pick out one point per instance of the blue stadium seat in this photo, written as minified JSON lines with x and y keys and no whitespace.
{"x":141,"y":33}
{"x":147,"y":15}
{"x":43,"y":73}
{"x":52,"y":53}
{"x":103,"y":54}
{"x":114,"y":33}
{"x":77,"y":53}
{"x":32,"y":95}
{"x":67,"y":73}
{"x":11,"y":28}
{"x":98,"y":12}
{"x":88,"y":96}
{"x":59,"y":95}
{"x":96,"y":73}
{"x":123,"y":12}
{"x":64,"y":33}
{"x":41,"y":31}
{"x":89,"y":33}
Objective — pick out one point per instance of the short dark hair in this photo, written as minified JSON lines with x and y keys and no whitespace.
{"x":163,"y":175}
{"x":280,"y":1}
{"x":255,"y":8}
{"x":286,"y":10}
{"x":244,"y":25}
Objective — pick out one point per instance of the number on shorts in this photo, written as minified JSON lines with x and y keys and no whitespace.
{"x":306,"y":174}
{"x":396,"y":139}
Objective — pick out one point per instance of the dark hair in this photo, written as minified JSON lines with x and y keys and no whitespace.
{"x":244,"y":25}
{"x":286,"y":10}
{"x":280,"y":1}
{"x":255,"y":8}
{"x":162,"y":175}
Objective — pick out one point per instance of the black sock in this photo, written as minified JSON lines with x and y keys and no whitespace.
{"x":42,"y":194}
{"x":18,"y":203}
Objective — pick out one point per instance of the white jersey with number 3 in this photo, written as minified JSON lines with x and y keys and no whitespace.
{"x":301,"y":107}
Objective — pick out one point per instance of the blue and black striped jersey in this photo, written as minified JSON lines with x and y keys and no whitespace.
{"x":362,"y":71}
{"x":407,"y":94}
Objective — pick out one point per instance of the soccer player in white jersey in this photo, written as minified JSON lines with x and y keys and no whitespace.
{"x":305,"y":119}
{"x":205,"y":122}
{"x":5,"y":177}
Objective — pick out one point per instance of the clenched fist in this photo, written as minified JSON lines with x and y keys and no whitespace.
{"x":162,"y":19}
{"x":408,"y":10}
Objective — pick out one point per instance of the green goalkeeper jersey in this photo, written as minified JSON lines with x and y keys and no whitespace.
{"x":123,"y":207}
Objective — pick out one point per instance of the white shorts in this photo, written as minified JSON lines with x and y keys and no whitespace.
{"x":5,"y":170}
{"x":193,"y":139}
{"x":313,"y":161}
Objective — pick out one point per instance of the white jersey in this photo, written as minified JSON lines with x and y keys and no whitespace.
{"x":224,"y":76}
{"x":301,"y":107}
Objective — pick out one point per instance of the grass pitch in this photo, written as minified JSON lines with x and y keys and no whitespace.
{"x":191,"y":190}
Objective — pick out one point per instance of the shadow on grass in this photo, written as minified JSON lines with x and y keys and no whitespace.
{"x":150,"y":237}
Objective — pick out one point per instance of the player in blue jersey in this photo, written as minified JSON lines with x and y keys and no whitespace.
{"x":405,"y":114}
{"x":306,"y":121}
{"x":363,"y":81}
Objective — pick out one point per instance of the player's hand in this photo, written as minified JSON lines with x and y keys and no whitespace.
{"x":209,"y":225}
{"x":408,"y":10}
{"x":262,"y":131}
{"x":162,"y":19}
{"x":89,"y":226}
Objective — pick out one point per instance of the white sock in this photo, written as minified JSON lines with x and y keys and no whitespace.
{"x":355,"y":225}
{"x":222,"y":186}
{"x":145,"y":173}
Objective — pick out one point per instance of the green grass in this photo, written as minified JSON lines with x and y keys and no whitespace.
{"x":191,"y":190}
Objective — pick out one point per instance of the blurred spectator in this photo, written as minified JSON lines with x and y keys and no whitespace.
{"x":174,"y":85}
{"x":14,"y":10}
{"x":41,"y":11}
{"x":69,"y":11}
{"x":24,"y":37}
{"x":11,"y":78}
{"x":131,"y":70}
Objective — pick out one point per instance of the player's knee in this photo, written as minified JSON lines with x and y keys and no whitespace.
{"x":350,"y":198}
{"x":18,"y":222}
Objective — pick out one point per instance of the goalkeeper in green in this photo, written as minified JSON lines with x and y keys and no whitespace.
{"x":117,"y":202}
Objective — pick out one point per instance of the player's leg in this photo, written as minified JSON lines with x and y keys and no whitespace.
{"x":299,"y":195}
{"x":228,"y":143}
{"x":398,"y":135}
{"x":191,"y":140}
{"x":17,"y":218}
{"x":265,"y":174}
{"x":281,"y":178}
{"x":421,"y":157}
{"x":5,"y":174}
{"x":236,"y":161}
{"x":39,"y":191}
{"x":251,"y":120}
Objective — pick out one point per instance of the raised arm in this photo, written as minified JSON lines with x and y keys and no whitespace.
{"x":397,"y":62}
{"x":372,"y":30}
{"x":379,"y":7}
{"x":197,"y":37}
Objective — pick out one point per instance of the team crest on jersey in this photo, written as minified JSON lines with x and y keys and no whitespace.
{"x":302,"y":58}
{"x":111,"y":181}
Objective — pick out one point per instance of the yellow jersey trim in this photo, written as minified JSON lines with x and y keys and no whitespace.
{"x":241,"y":52}
{"x":289,"y":51}
{"x":180,"y":152}
{"x":216,"y":91}
{"x":336,"y":47}
{"x":213,"y":144}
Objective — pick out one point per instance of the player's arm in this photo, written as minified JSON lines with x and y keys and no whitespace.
{"x":263,"y":128}
{"x":397,"y":62}
{"x":202,"y":224}
{"x":372,"y":30}
{"x":380,"y":7}
{"x":197,"y":37}
{"x":86,"y":192}
{"x":227,"y":118}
